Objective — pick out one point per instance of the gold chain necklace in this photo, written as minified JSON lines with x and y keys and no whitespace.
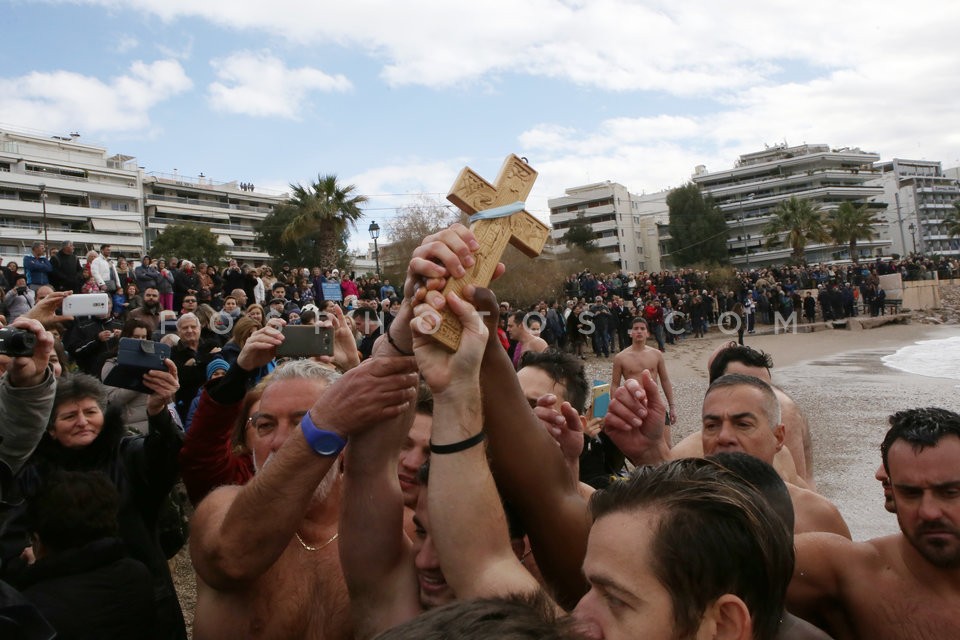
{"x":308,"y":547}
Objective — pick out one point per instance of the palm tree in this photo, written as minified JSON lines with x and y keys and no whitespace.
{"x":324,"y":212}
{"x":952,"y":220}
{"x":801,"y":220}
{"x":850,"y":223}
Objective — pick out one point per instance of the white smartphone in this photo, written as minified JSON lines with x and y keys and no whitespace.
{"x":86,"y":304}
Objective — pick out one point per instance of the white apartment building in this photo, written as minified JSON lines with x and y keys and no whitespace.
{"x":749,"y":192}
{"x":624,"y":224}
{"x":64,"y":189}
{"x":69,"y":190}
{"x":919,"y":193}
{"x":230,"y":210}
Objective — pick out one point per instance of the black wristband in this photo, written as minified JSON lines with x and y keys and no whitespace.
{"x":456,"y":447}
{"x":394,"y":345}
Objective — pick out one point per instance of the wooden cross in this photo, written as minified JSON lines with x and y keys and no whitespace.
{"x":472,"y":194}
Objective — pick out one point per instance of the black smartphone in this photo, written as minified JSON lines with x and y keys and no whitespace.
{"x":305,"y":341}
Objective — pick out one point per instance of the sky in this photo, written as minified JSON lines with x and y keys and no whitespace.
{"x":397,"y":97}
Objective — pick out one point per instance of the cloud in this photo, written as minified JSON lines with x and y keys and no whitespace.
{"x":64,"y":100}
{"x":126,"y":44}
{"x":259,"y":84}
{"x":617,"y":45}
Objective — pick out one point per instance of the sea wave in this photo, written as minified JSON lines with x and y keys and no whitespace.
{"x":931,"y":358}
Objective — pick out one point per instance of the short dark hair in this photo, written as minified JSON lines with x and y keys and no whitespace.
{"x":563,"y":368}
{"x":77,"y":386}
{"x":920,"y":428}
{"x":763,"y":477}
{"x":639,"y":320}
{"x":514,"y":617}
{"x":747,"y":550}
{"x":740,"y":353}
{"x":74,"y":508}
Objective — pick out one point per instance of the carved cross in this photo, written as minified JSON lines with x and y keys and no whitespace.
{"x":472,"y":194}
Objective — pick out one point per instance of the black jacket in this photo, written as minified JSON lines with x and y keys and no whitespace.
{"x":93,"y":592}
{"x":67,"y":272}
{"x":144,"y":470}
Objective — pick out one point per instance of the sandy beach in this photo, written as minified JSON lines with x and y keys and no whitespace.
{"x":838,"y":379}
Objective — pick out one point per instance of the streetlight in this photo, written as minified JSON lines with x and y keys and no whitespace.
{"x":374,"y":230}
{"x":43,"y":203}
{"x":913,"y":234}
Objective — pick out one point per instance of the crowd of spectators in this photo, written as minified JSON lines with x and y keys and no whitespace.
{"x":89,"y":511}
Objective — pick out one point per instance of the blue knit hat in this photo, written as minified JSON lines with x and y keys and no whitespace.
{"x":217,"y":364}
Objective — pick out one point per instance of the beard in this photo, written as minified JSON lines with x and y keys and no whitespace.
{"x":942,"y":551}
{"x":151,"y":305}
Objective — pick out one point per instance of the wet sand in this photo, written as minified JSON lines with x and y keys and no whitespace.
{"x":838,"y":379}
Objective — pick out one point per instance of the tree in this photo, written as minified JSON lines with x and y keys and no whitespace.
{"x":952,"y":220}
{"x":408,"y":228}
{"x":270,"y":239}
{"x":801,"y":220}
{"x":698,"y":230}
{"x":580,"y":234}
{"x":194,"y":242}
{"x":323,"y":213}
{"x":850,"y":223}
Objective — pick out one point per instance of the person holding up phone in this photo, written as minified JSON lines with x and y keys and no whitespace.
{"x":89,"y":340}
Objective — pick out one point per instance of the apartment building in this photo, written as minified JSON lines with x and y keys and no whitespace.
{"x":59,"y":188}
{"x":919,"y":194}
{"x":624,"y":224}
{"x":229,"y":209}
{"x":750,"y":191}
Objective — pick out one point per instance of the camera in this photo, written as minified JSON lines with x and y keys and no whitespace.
{"x":16,"y":343}
{"x":21,"y":291}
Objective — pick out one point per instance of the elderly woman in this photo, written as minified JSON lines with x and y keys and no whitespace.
{"x":143,"y":468}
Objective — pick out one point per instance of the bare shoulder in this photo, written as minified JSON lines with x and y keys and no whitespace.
{"x":216,"y":503}
{"x":837,"y":553}
{"x":816,"y":513}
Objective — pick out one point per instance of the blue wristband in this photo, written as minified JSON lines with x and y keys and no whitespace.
{"x":325,"y":443}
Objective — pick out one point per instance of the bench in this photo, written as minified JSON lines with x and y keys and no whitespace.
{"x":892,"y":305}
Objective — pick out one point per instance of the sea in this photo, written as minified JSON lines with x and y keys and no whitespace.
{"x":931,"y":358}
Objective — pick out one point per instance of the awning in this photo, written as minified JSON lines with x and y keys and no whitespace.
{"x":107,"y":224}
{"x":226,"y":241}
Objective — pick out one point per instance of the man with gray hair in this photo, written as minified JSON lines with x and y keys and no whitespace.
{"x":740,"y":413}
{"x":254,"y":545}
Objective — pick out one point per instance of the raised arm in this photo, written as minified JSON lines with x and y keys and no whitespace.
{"x":464,"y":506}
{"x":242,"y":531}
{"x":375,"y":553}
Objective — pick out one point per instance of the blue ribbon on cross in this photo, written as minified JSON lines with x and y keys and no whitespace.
{"x":498,"y":212}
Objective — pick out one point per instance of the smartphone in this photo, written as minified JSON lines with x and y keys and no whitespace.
{"x":86,"y":304}
{"x":306,"y":340}
{"x":135,"y":358}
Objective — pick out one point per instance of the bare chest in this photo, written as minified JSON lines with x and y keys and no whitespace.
{"x":302,"y":596}
{"x":895,"y":609}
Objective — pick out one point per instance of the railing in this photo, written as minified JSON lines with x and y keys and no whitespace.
{"x":208,"y":203}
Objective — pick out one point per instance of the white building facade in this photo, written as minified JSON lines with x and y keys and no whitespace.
{"x":229,"y":211}
{"x":63,"y":189}
{"x":919,"y":194}
{"x":624,"y":224}
{"x":748,"y":193}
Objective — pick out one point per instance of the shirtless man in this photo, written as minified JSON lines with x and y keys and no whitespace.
{"x":632,"y":361}
{"x":518,"y":328}
{"x":904,"y":586}
{"x":740,"y":413}
{"x":266,"y":553}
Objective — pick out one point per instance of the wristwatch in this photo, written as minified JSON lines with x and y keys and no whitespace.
{"x":324,"y":443}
